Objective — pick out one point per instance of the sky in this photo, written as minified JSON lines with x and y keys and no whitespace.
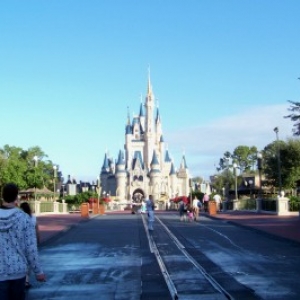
{"x":222,"y":73}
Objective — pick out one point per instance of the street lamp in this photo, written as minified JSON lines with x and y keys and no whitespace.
{"x":54,"y":176}
{"x":35,"y":158}
{"x":259,"y":167}
{"x":276,"y":130}
{"x":235,"y":166}
{"x":98,"y":191}
{"x":227,"y":177}
{"x":251,"y":186}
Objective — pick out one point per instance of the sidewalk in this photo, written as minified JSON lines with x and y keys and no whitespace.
{"x":287,"y":227}
{"x":51,"y":225}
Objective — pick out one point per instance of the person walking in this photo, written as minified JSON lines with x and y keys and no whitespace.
{"x":205,"y":202}
{"x":183,"y":210}
{"x":18,"y":247}
{"x":26,"y":208}
{"x":150,"y":210}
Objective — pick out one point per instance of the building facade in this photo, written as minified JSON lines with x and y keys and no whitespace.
{"x":144,"y":166}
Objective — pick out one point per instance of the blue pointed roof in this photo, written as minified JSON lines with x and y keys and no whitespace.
{"x":184,"y":165}
{"x":105,"y":165}
{"x":154,"y":159}
{"x":128,"y":129}
{"x":172,"y":171}
{"x":167,"y":157}
{"x":141,"y":110}
{"x":120,"y":160}
{"x":135,"y":120}
{"x":157,"y":115}
{"x":137,"y":157}
{"x":161,"y":139}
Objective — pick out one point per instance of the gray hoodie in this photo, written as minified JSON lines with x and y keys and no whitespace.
{"x":18,"y":245}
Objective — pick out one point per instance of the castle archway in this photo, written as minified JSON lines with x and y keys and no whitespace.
{"x":137,"y":196}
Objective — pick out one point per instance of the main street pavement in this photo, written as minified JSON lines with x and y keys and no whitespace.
{"x":83,"y":257}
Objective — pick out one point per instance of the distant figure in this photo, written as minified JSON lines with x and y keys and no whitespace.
{"x":18,"y":247}
{"x":143,"y":207}
{"x":26,"y":208}
{"x":190,"y":213}
{"x":196,"y":202}
{"x":183,"y":207}
{"x":150,"y":210}
{"x":218,"y":201}
{"x":205,"y":202}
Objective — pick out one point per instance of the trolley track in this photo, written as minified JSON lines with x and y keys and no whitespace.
{"x":184,"y":276}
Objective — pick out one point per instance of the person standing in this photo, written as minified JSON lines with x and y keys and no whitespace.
{"x":196,"y":202}
{"x":205,"y":202}
{"x":218,"y":201}
{"x":18,"y":247}
{"x":150,"y":210}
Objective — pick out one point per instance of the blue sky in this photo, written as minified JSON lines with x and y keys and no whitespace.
{"x":222,"y":72}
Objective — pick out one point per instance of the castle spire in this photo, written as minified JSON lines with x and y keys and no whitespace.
{"x":149,"y":89}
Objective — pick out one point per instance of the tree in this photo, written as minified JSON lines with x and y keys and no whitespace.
{"x":17,"y":165}
{"x":295,"y":116}
{"x":289,"y":162}
{"x":245,"y":157}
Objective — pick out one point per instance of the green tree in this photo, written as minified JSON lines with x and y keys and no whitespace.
{"x":294,"y":116}
{"x":245,"y":157}
{"x":18,"y":165}
{"x":289,"y":162}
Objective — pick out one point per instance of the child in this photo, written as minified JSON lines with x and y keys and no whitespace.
{"x":190,"y":214}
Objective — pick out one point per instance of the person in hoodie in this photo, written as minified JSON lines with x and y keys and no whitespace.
{"x":18,"y":247}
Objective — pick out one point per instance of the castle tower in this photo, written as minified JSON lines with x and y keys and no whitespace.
{"x":149,"y":129}
{"x":155,"y":176}
{"x":121,"y":177}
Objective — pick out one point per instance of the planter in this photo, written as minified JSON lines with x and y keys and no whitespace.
{"x":212,"y":207}
{"x":84,"y":209}
{"x":101,"y":210}
{"x":95,"y":208}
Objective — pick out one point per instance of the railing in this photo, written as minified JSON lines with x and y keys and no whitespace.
{"x":46,"y":207}
{"x":269,"y":204}
{"x":294,"y":206}
{"x":246,"y":204}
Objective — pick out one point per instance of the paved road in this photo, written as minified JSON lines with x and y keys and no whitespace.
{"x":108,"y":257}
{"x":249,"y":264}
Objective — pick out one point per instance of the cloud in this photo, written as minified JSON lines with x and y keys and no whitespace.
{"x":206,"y":143}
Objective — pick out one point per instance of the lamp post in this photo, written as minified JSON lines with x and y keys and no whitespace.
{"x":227,"y":177}
{"x":54,"y":176}
{"x":276,"y":130}
{"x":251,"y":185}
{"x":98,"y":191}
{"x":259,"y":167}
{"x":235,"y":166}
{"x":35,"y":158}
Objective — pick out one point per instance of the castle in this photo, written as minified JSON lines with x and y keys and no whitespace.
{"x":145,"y":166}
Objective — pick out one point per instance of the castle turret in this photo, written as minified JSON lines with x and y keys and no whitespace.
{"x":155,"y":176}
{"x":158,"y":127}
{"x":121,"y":177}
{"x":142,"y":117}
{"x":128,"y":140}
{"x":104,"y":173}
{"x":173,"y":182}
